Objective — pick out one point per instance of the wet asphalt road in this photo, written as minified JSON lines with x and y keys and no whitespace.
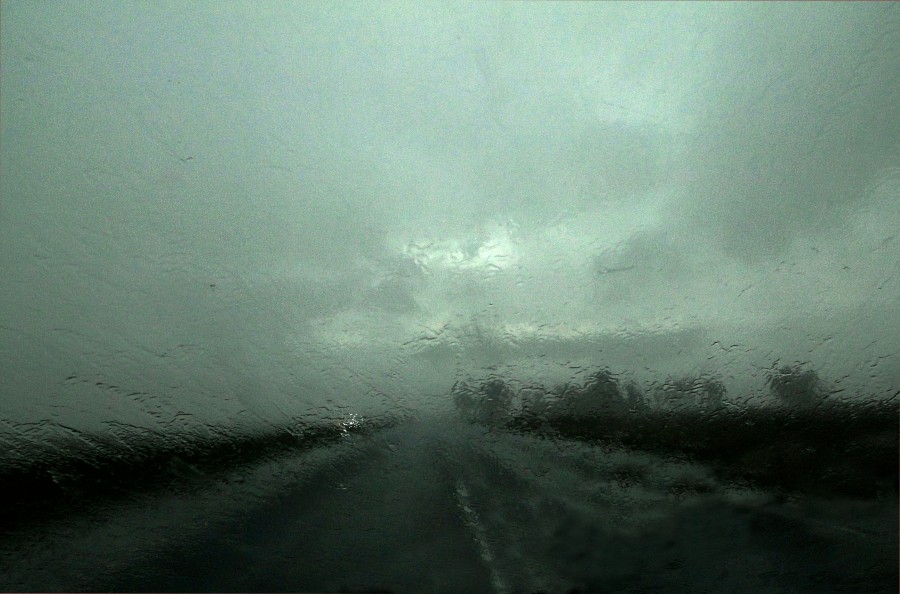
{"x":441,"y":507}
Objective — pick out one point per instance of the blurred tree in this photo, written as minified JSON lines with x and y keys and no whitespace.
{"x":796,"y":386}
{"x":676,"y":393}
{"x":688,"y":392}
{"x":634,"y":398}
{"x":599,"y":395}
{"x":495,"y":400}
{"x":488,"y":403}
{"x":465,"y":400}
{"x":534,"y":401}
{"x":711,"y":393}
{"x":557,"y":399}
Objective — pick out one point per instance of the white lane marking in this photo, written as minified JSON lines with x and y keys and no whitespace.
{"x":470,"y":516}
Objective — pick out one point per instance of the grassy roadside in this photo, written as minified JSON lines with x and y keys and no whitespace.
{"x":835,"y":449}
{"x":76,"y":474}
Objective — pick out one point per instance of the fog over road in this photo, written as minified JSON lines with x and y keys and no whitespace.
{"x":432,"y":506}
{"x":239,"y":241}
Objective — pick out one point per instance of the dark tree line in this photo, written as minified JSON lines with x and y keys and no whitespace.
{"x":707,"y":393}
{"x":811,"y":444}
{"x":490,"y":400}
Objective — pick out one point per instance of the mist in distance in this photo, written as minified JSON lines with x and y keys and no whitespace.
{"x":244,"y":212}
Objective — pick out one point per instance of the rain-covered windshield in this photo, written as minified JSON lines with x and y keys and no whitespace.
{"x":457,"y":297}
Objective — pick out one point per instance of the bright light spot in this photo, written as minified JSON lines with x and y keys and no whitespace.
{"x":491,"y":253}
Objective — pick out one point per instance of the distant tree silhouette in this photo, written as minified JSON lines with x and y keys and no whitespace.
{"x":634,"y":397}
{"x":600,"y":394}
{"x":706,"y":393}
{"x":465,"y":400}
{"x":534,"y":401}
{"x":675,"y":393}
{"x":794,"y":385}
{"x":564,"y":390}
{"x":496,"y":399}
{"x":712,"y":393}
{"x":489,"y":402}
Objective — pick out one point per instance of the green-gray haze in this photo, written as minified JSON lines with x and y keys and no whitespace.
{"x":236,"y":212}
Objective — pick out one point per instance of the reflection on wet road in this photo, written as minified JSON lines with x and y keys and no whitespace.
{"x":441,"y":507}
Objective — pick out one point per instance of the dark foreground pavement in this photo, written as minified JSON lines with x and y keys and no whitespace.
{"x":439,"y":507}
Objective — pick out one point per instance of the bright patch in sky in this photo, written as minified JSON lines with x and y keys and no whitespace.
{"x":492,"y":252}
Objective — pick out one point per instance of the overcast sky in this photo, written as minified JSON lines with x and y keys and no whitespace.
{"x":224,"y":211}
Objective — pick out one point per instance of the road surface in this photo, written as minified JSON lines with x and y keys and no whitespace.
{"x":443,"y":507}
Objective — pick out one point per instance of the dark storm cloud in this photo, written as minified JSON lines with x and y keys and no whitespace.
{"x":798,"y":120}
